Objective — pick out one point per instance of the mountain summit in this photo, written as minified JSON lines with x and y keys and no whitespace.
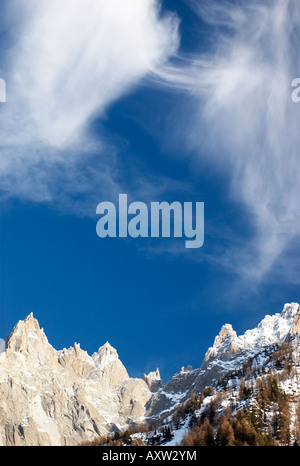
{"x":272,"y":329}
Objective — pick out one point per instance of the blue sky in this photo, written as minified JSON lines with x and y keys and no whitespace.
{"x":178,"y":101}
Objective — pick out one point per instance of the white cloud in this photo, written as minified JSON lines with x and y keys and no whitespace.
{"x":247,"y":119}
{"x":69,"y":61}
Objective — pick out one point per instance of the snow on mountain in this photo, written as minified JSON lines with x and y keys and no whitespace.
{"x":229,"y":352}
{"x":272,"y":329}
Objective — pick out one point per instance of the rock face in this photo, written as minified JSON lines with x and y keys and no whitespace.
{"x":176,"y":391}
{"x":153,"y":380}
{"x":50,"y":397}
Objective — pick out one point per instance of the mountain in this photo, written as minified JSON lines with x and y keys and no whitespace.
{"x":50,"y":397}
{"x":251,"y":382}
{"x":66,"y":397}
{"x":229,"y":352}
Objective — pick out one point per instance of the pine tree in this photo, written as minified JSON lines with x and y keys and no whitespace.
{"x":126,"y":437}
{"x":225,"y":435}
{"x":284,"y":423}
{"x":209,"y":435}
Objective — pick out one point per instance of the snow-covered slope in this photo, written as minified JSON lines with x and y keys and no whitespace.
{"x":272,"y":329}
{"x":230,"y":351}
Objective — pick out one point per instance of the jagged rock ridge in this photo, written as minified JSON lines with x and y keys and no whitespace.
{"x":50,"y":397}
{"x":228,"y":353}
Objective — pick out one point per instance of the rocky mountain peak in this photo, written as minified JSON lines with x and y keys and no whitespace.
{"x":105,"y":356}
{"x":290,"y":310}
{"x":226,"y":333}
{"x":155,"y":375}
{"x":153,"y":380}
{"x":28,"y":338}
{"x":28,"y":324}
{"x":271,"y":329}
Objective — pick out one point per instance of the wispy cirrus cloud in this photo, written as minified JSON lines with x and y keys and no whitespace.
{"x":66,"y":63}
{"x":247,"y":120}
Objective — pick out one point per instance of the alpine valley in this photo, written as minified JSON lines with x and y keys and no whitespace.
{"x":246,"y":392}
